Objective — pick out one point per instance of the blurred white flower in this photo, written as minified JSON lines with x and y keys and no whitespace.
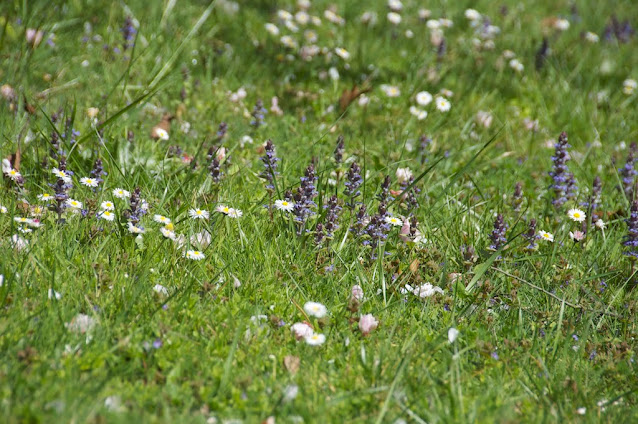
{"x":516,"y":65}
{"x":390,"y":90}
{"x":472,"y":15}
{"x":418,"y":113}
{"x":394,"y":18}
{"x":629,"y":86}
{"x":272,"y":29}
{"x":591,"y":37}
{"x":452,"y":334}
{"x":315,"y":309}
{"x":423,"y":98}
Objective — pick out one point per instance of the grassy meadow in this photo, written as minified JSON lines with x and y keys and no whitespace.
{"x":313,"y":211}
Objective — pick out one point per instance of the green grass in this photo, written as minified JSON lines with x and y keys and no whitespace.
{"x":540,"y":334}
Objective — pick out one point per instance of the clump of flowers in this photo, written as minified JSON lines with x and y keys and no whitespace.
{"x":61,"y":188}
{"x":631,"y":239}
{"x":304,"y":203}
{"x":353,"y":182}
{"x":517,"y":197}
{"x":331,"y":222}
{"x":628,"y":173}
{"x":531,"y":235}
{"x":498,"y":233}
{"x":136,"y":210}
{"x":563,"y":183}
{"x":258,"y":114}
{"x":270,"y":160}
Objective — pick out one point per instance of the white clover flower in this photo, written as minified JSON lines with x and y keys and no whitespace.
{"x":394,"y":18}
{"x":600,"y":224}
{"x":472,"y":15}
{"x":81,"y":323}
{"x":433,"y":24}
{"x":301,"y":330}
{"x":452,"y":334}
{"x":395,"y":5}
{"x":426,"y":290}
{"x":423,"y":98}
{"x":160,"y":289}
{"x":403,"y":175}
{"x":315,"y":309}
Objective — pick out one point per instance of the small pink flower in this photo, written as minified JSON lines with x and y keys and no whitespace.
{"x":302,"y":330}
{"x":367,"y":323}
{"x":357,"y":293}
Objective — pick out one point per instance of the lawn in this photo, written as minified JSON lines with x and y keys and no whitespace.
{"x":318,"y":211}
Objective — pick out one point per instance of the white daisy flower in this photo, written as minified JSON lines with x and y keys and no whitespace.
{"x":161,"y":133}
{"x":423,"y":98}
{"x":195,"y":255}
{"x":223,"y":209}
{"x":106,"y":214}
{"x":289,"y":42}
{"x":22,"y":220}
{"x":576,"y":215}
{"x":284,"y":15}
{"x":600,"y":224}
{"x":315,"y":309}
{"x":13,"y":174}
{"x":629,"y":86}
{"x":425,"y":290}
{"x":45,"y":197}
{"x":235,"y":213}
{"x":390,"y":90}
{"x":395,"y":5}
{"x":394,"y":221}
{"x":3,"y":209}
{"x":61,"y":174}
{"x":561,"y":24}
{"x":452,"y":334}
{"x":418,"y":113}
{"x":198,"y":214}
{"x":592,"y":37}
{"x":342,"y":53}
{"x":315,"y":339}
{"x":135,"y":229}
{"x":120,"y":193}
{"x":443,"y":104}
{"x":516,"y":65}
{"x":107,"y":205}
{"x":544,"y":235}
{"x":284,"y":205}
{"x":89,"y":182}
{"x":272,"y":29}
{"x":166,"y":232}
{"x":72,"y":203}
{"x":161,"y":219}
